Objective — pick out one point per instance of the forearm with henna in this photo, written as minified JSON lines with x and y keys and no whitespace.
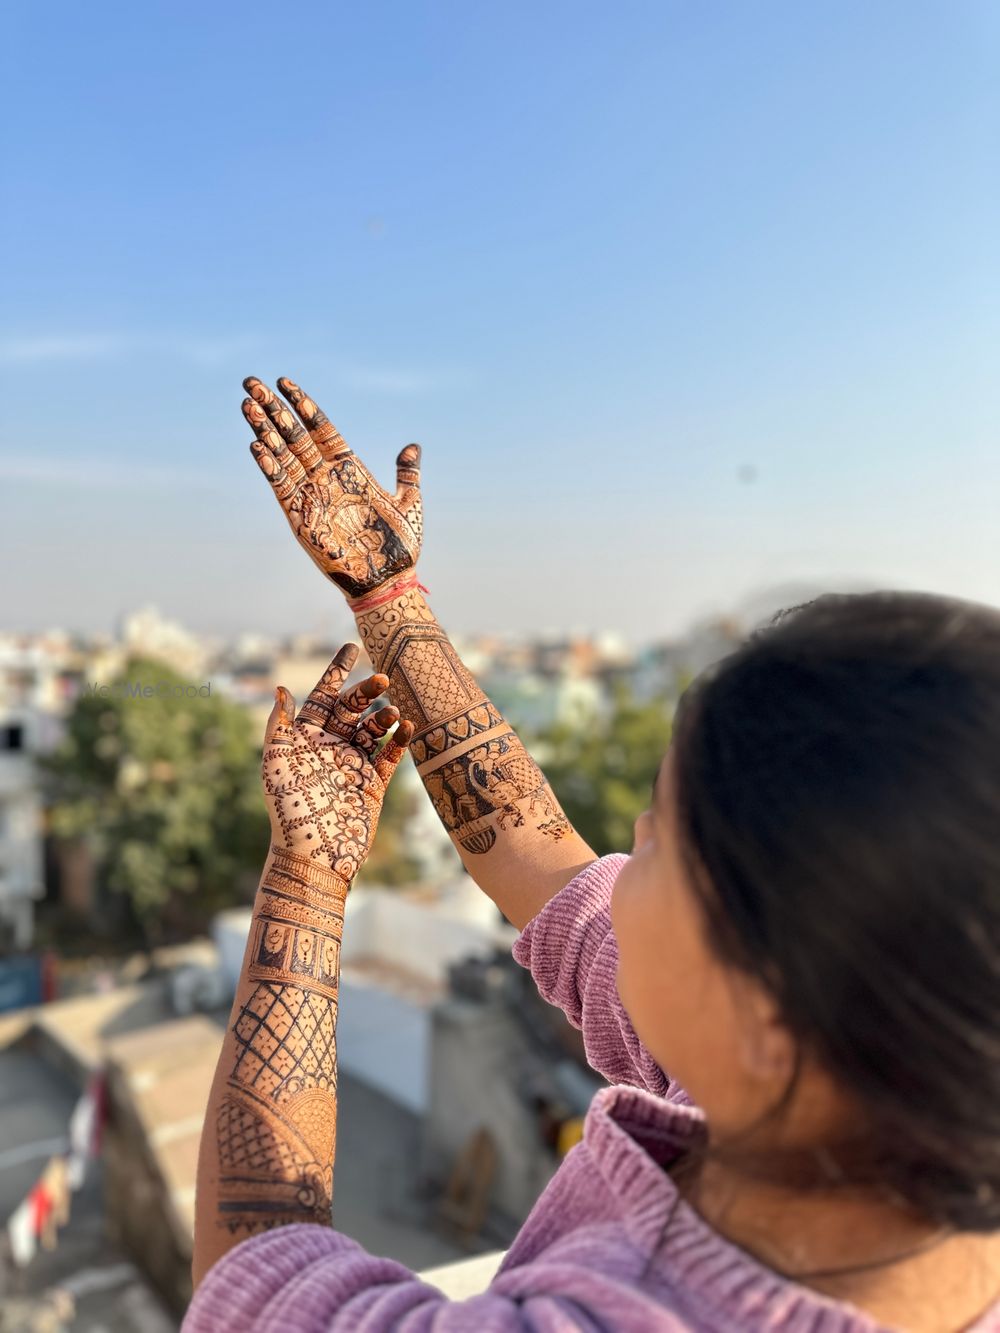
{"x":276,"y":1118}
{"x":489,"y":793}
{"x":493,"y":799}
{"x":268,"y":1144}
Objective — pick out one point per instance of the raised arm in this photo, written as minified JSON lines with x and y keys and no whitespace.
{"x":502,"y":815}
{"x":268,"y":1144}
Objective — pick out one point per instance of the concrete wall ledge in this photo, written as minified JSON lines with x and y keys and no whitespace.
{"x":464,"y":1277}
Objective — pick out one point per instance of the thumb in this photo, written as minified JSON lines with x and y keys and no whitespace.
{"x":408,"y":469}
{"x":281,"y":716}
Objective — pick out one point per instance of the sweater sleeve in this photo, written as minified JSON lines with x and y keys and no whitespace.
{"x":315,"y":1280}
{"x":571,"y":951}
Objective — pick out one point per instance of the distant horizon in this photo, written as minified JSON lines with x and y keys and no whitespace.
{"x":753,"y":606}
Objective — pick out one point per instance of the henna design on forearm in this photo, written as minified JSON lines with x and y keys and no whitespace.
{"x":496,"y":779}
{"x":477,"y":772}
{"x":453,"y":731}
{"x":276,"y":1124}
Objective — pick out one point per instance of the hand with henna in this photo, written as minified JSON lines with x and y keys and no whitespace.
{"x":323,"y":773}
{"x":503,"y":817}
{"x":359,"y":535}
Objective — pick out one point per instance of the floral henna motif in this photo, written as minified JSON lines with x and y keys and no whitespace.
{"x":355,"y":532}
{"x":323,"y":780}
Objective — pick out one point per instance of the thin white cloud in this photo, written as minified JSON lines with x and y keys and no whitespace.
{"x":386,"y":381}
{"x":372,"y":379}
{"x":203,"y":351}
{"x":212,"y":351}
{"x":102,"y":475}
{"x":73,"y":347}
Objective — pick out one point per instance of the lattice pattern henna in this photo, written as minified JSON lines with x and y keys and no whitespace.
{"x":427,"y":680}
{"x":455,"y":731}
{"x":286,"y":1042}
{"x":276,"y":1128}
{"x":406,"y":636}
{"x":433,"y":677}
{"x":265,"y":1178}
{"x":248,"y":1143}
{"x":403,"y":696}
{"x":482,"y":788}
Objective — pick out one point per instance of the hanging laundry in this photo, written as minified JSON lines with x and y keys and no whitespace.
{"x":22,"y":1235}
{"x":41,"y":1203}
{"x":55,"y":1178}
{"x":84,"y":1132}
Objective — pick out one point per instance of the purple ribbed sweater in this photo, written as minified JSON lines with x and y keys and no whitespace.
{"x":576,"y":1262}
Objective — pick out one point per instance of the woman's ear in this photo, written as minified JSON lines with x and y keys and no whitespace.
{"x":765,"y":1045}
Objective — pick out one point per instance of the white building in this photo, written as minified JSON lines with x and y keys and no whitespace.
{"x":397,"y":947}
{"x":146,"y":633}
{"x":28,"y":690}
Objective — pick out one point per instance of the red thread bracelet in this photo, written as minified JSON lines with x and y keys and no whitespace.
{"x":387,"y":593}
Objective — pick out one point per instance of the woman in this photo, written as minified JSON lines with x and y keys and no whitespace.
{"x":806,"y":936}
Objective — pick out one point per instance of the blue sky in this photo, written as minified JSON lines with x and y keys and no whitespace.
{"x":598,"y":259}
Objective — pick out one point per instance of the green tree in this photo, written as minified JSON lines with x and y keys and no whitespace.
{"x":603,"y":773}
{"x":167,"y":791}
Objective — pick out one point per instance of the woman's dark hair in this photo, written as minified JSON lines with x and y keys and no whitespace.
{"x":837,"y":782}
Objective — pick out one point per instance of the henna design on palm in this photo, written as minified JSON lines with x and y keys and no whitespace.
{"x":323,"y":775}
{"x":359,"y":535}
